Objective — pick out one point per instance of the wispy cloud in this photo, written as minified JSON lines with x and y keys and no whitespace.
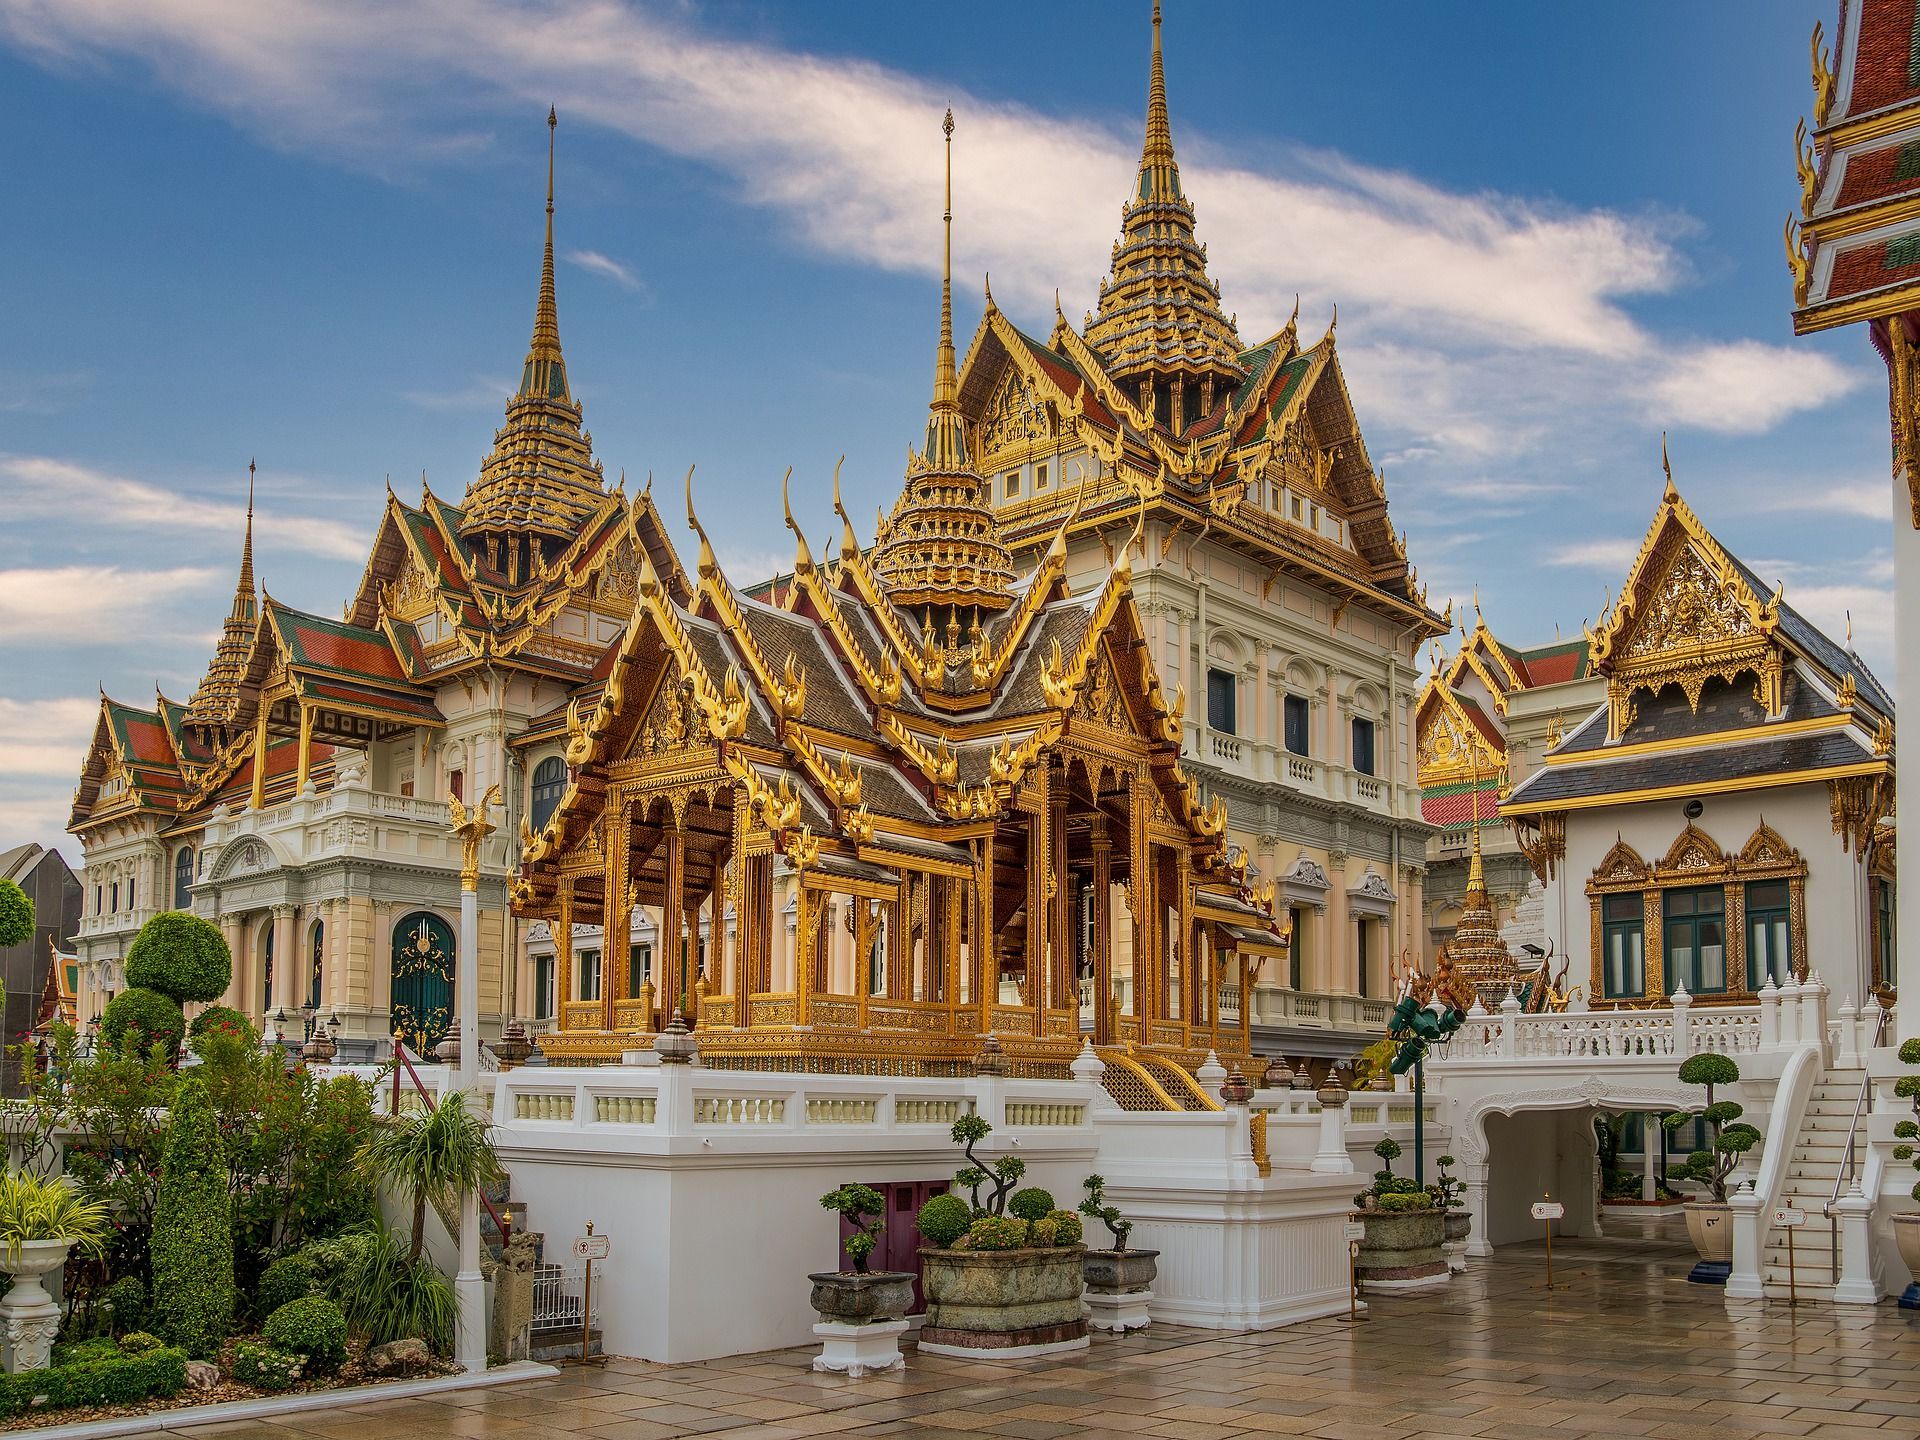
{"x":1611,"y":556}
{"x":482,"y":392}
{"x":1861,"y":499}
{"x":40,"y":392}
{"x":92,"y":604}
{"x":1509,"y":315}
{"x":42,"y":743}
{"x":48,"y":487}
{"x":611,"y":269}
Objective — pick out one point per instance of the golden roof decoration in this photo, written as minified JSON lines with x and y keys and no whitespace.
{"x":216,"y":699}
{"x":541,"y":478}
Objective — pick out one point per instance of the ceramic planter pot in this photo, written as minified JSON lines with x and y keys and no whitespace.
{"x":1906,"y":1236}
{"x":1115,"y":1272}
{"x":30,"y":1316}
{"x":1459,"y":1225}
{"x":1710,"y":1228}
{"x":854,"y":1299}
{"x":1014,"y":1302}
{"x":1401,"y":1250}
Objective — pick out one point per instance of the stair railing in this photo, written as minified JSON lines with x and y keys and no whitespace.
{"x":401,"y":1062}
{"x":1850,"y":1166}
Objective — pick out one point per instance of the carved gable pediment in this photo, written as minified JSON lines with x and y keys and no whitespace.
{"x":1016,"y":415}
{"x":1451,"y":746}
{"x":1693,"y":852}
{"x":1621,"y":866}
{"x":1100,"y":697}
{"x":1689,"y":606}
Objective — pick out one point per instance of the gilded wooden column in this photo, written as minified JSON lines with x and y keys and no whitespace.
{"x":1037,"y":918}
{"x":987,"y":943}
{"x":1140,"y":889}
{"x":1065,"y":983}
{"x":562,"y":926}
{"x":1246,"y":1006}
{"x":863,"y":926}
{"x":259,"y":796}
{"x":1102,"y":930}
{"x":616,"y":918}
{"x":952,"y":898}
{"x":1194,"y":982}
{"x":807,"y":942}
{"x":306,"y":750}
{"x":672,"y":923}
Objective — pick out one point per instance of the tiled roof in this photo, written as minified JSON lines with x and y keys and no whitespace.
{"x":1554,"y":664}
{"x":1708,"y":765}
{"x":1455,"y":805}
{"x":1887,"y":63}
{"x":336,"y":645}
{"x":1724,"y":705}
{"x":1880,"y":174}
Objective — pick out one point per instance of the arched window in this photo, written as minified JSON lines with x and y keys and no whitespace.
{"x":549,"y":784}
{"x":183,"y":878}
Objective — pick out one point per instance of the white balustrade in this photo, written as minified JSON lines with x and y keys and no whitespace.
{"x":913,"y":1110}
{"x":739,"y":1109}
{"x":543,"y":1105}
{"x":1667,"y":1035}
{"x":842,"y":1110}
{"x":1042,"y":1112}
{"x":625,"y":1109}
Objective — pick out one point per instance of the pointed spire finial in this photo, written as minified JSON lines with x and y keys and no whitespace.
{"x":246,"y":551}
{"x":1672,"y":493}
{"x":1159,"y":147}
{"x":545,"y":374}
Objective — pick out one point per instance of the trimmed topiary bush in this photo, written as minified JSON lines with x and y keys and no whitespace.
{"x":137,"y":1020}
{"x":222,"y":1017}
{"x":1030,"y":1204}
{"x":287,"y":1279}
{"x":1405,"y":1200}
{"x":181,"y":956}
{"x":311,"y":1326}
{"x":1043,"y":1232}
{"x":1067,"y":1228}
{"x":943,"y":1220}
{"x":997,"y":1232}
{"x":139,"y":1342}
{"x":127,"y":1299}
{"x":266,"y":1368}
{"x":16,"y":916}
{"x":1730,"y":1136}
{"x":97,"y":1380}
{"x":192,"y":1244}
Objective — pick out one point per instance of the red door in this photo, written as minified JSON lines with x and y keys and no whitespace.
{"x":899,"y":1247}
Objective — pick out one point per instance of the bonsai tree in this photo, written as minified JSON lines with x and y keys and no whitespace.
{"x":436,"y":1154}
{"x":1390,"y":1191}
{"x":1446,"y":1190}
{"x":192,"y":1241}
{"x":1095,"y":1207}
{"x":1002,"y":1175}
{"x":865,"y":1209}
{"x":16,"y":916}
{"x":1907,"y":1087}
{"x":1730,"y":1137}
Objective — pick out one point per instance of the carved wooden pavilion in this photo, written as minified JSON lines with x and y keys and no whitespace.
{"x":970,"y":786}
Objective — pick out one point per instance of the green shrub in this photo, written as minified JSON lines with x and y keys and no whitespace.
{"x":997,"y":1232}
{"x":192,"y":1242}
{"x":80,"y":1352}
{"x":16,"y":916}
{"x":1030,"y":1204}
{"x":138,"y":1342}
{"x":137,"y":1020}
{"x":943,"y":1220}
{"x":1067,"y":1228}
{"x":1709,"y":1068}
{"x":266,"y":1368}
{"x":287,"y":1279}
{"x":181,"y":956}
{"x":1042,"y":1232}
{"x":865,"y":1211}
{"x":127,"y":1299}
{"x":221,"y":1017}
{"x":311,"y":1326}
{"x":1731,"y":1137}
{"x":103,"y":1380}
{"x":1405,"y":1200}
{"x":1095,"y":1207}
{"x":32,"y":1208}
{"x":383,"y":1291}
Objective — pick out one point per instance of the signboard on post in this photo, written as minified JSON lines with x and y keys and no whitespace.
{"x":1355,"y":1231}
{"x":1549,"y":1210}
{"x":592,"y":1247}
{"x":1786,"y":1217}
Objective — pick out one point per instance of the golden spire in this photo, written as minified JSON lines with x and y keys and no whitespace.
{"x":1159,"y":175}
{"x":215,"y":700}
{"x":545,"y":374}
{"x":942,"y":546}
{"x":243,"y":591}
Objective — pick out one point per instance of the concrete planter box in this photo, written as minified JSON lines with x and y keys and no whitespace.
{"x":1401,"y":1250}
{"x":1120,"y":1288}
{"x":857,"y":1299}
{"x":1009,"y":1302}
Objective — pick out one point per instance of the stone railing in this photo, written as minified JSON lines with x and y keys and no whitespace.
{"x":1312,"y":1009}
{"x":1787,"y":1017}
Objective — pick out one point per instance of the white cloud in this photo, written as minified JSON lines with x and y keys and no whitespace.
{"x":1863,"y":499}
{"x":92,"y":604}
{"x":1507,"y":314}
{"x":45,"y":737}
{"x":480,"y":393}
{"x":610,"y":268}
{"x":1614,"y":556}
{"x":45,"y":486}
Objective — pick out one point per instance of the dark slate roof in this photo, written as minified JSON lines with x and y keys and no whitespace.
{"x":1715,"y":764}
{"x":1811,"y":641}
{"x":1724,"y":705}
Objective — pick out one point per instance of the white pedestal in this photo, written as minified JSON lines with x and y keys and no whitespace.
{"x":857,"y":1350}
{"x":1456,"y":1253}
{"x":1118,"y":1312}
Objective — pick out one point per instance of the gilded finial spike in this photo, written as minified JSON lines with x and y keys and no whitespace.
{"x":802,"y":556}
{"x":545,"y":374}
{"x":708,"y":565}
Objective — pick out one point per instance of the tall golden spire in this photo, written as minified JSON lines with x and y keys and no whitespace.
{"x":541,"y":482}
{"x":942,"y":546}
{"x":1160,"y":325}
{"x":215,"y":700}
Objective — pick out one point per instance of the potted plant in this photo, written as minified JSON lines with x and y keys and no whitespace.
{"x":1405,"y":1230}
{"x":1003,"y":1273}
{"x":860,"y":1309}
{"x":1120,"y":1280}
{"x":40,"y":1221}
{"x":1906,"y":1226}
{"x":1710,"y":1221}
{"x":1449,"y":1195}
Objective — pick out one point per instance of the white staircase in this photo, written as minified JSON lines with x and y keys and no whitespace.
{"x":1819,"y":1152}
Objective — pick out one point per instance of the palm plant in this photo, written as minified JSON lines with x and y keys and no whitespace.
{"x":385,"y":1293}
{"x":35,"y":1209}
{"x":432,"y":1155}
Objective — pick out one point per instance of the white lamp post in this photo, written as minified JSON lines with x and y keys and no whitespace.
{"x":473,"y":827}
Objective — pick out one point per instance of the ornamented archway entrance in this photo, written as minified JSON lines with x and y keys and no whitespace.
{"x":421,"y":994}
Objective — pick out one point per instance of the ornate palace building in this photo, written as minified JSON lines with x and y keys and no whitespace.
{"x":1720,"y":819}
{"x":1485,"y":718}
{"x":1274,"y":592}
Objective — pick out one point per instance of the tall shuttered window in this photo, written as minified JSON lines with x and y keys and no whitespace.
{"x":1221,"y":702}
{"x":1696,"y":939}
{"x":1295,"y":713}
{"x":1623,"y":947}
{"x":1769,"y":933}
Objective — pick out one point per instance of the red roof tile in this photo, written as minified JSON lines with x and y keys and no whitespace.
{"x":1883,"y":68}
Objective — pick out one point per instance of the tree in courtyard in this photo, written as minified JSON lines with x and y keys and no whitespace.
{"x":16,"y":916}
{"x":432,"y":1155}
{"x":192,"y":1243}
{"x":1729,"y":1136}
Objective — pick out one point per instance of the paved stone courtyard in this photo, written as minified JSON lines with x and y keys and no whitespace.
{"x":1621,"y":1347}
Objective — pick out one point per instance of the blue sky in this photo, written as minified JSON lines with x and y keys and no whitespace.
{"x":308,"y":231}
